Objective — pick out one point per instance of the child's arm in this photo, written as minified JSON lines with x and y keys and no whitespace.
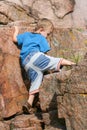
{"x":16,"y":31}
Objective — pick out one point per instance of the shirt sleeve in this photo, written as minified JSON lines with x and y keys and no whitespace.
{"x":20,"y":38}
{"x":44,"y":45}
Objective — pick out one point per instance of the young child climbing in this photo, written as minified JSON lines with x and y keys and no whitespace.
{"x":34,"y":59}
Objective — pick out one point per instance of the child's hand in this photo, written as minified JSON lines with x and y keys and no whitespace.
{"x":16,"y":30}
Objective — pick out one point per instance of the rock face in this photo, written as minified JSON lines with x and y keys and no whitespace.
{"x":63,"y":13}
{"x":12,"y":89}
{"x":11,"y":12}
{"x":63,"y":95}
{"x":23,"y":122}
{"x":66,"y":93}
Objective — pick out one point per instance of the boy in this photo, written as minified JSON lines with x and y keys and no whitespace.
{"x":33,"y":48}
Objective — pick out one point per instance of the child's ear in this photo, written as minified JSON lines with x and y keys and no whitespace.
{"x":41,"y":29}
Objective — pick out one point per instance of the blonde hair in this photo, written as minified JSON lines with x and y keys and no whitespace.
{"x":44,"y":23}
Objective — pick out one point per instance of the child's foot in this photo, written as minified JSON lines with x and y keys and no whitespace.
{"x":27,"y":108}
{"x":67,"y":62}
{"x":73,"y":64}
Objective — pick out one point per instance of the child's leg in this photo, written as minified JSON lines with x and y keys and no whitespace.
{"x":36,"y":78}
{"x":67,"y":62}
{"x":31,"y":99}
{"x":27,"y":107}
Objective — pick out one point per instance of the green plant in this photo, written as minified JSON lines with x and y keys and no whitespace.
{"x":11,"y":126}
{"x":76,"y":58}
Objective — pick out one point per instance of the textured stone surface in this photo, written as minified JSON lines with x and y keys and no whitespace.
{"x":68,"y":95}
{"x":63,"y":96}
{"x":63,"y":13}
{"x":52,"y":122}
{"x":53,"y":85}
{"x":10,"y":12}
{"x":4,"y":126}
{"x":23,"y":122}
{"x":30,"y":122}
{"x":12,"y":88}
{"x":73,"y":107}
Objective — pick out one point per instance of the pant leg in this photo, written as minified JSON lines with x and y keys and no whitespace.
{"x":40,"y":63}
{"x":45,"y":62}
{"x":36,"y":82}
